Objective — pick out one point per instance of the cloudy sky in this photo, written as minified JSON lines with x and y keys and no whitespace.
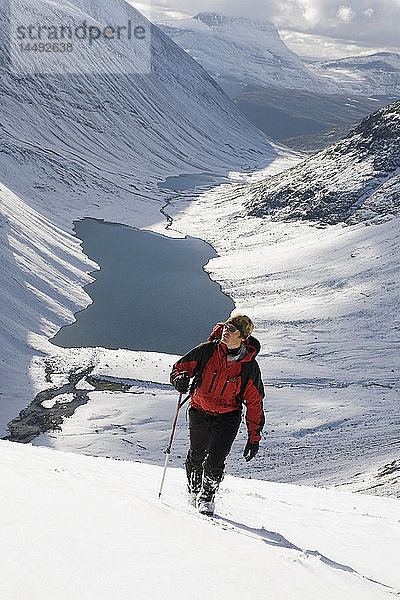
{"x":326,"y":28}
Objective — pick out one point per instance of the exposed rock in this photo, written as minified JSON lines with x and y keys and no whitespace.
{"x":354,"y":180}
{"x":37,"y":419}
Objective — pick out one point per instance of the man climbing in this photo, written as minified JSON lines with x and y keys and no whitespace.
{"x":225,"y":375}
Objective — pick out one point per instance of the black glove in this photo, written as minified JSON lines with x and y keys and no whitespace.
{"x":251,"y":450}
{"x":181,"y":383}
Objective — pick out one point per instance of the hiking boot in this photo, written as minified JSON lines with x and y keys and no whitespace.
{"x":206,"y":507}
{"x":194,"y":485}
{"x":205,"y":500}
{"x":192,"y":498}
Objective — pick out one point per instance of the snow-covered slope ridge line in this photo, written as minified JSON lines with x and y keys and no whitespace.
{"x":356,"y":179}
{"x":246,"y":51}
{"x":42,"y":274}
{"x":111,"y":531}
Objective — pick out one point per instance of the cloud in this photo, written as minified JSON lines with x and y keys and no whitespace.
{"x":345,"y":13}
{"x":319,"y":47}
{"x":311,"y":15}
{"x":369,"y":23}
{"x":368,"y":12}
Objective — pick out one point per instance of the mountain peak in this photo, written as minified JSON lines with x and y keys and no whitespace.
{"x":243,"y":51}
{"x":213,"y":19}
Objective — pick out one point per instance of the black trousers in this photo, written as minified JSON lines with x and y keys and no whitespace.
{"x":211,"y":438}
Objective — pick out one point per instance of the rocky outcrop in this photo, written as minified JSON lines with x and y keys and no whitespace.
{"x":37,"y":418}
{"x":354,"y":180}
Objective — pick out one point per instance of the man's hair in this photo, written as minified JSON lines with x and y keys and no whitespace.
{"x":243,"y":323}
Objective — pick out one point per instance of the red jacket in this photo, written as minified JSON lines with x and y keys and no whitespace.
{"x":221,"y":386}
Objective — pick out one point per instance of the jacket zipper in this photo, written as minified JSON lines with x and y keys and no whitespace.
{"x":225,"y":384}
{"x":212,"y":382}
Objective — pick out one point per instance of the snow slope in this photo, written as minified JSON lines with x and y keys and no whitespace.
{"x":250,"y":52}
{"x":94,"y":528}
{"x":42,"y":271}
{"x":245,"y":51}
{"x":86,"y":139}
{"x":94,"y":144}
{"x":354,"y":180}
{"x":375,"y":74}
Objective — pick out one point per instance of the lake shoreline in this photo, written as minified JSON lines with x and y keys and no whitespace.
{"x":148,"y":295}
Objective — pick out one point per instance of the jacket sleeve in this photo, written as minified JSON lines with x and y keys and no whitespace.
{"x":253,"y":398}
{"x":189,"y":362}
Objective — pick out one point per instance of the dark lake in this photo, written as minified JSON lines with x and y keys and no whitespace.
{"x":190,"y":181}
{"x":151,"y":292}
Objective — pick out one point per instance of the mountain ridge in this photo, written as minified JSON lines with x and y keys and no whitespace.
{"x":376,"y":74}
{"x":282,"y":66}
{"x":213,"y":19}
{"x":243,"y":50}
{"x":354,"y":180}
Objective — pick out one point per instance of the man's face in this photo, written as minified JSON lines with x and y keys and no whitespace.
{"x":232,"y":339}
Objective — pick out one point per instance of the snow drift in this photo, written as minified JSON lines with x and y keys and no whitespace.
{"x":93,"y":528}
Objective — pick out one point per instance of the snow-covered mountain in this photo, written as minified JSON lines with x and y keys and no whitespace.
{"x":172,"y":119}
{"x":82,"y":527}
{"x":244,"y":51}
{"x":356,"y":179}
{"x":93,"y":141}
{"x":97,"y":145}
{"x":372,"y":75}
{"x":280,"y":93}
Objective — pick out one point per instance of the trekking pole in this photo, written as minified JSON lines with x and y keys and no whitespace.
{"x":168,"y":450}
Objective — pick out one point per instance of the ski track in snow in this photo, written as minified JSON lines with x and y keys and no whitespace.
{"x":111,"y":530}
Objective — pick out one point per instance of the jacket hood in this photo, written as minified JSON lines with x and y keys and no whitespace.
{"x":252,"y":343}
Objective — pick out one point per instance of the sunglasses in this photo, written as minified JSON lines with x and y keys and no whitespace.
{"x":230,"y":327}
